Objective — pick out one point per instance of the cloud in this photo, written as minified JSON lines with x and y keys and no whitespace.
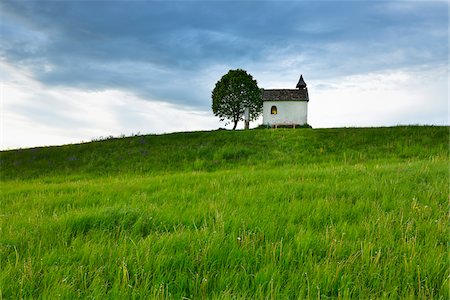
{"x":408,"y":96}
{"x":139,"y":45}
{"x":33,"y":115}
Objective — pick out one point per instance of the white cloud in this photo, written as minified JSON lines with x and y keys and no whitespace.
{"x":409,"y":96}
{"x":33,"y":115}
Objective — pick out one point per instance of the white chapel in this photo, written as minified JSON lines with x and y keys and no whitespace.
{"x":286,"y":107}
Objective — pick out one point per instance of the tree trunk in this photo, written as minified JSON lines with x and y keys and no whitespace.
{"x":235,"y":124}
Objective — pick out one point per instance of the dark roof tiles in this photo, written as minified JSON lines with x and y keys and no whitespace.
{"x":285,"y":95}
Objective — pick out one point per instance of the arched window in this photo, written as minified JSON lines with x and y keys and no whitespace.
{"x":273,"y":110}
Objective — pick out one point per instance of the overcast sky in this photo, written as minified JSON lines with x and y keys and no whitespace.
{"x":75,"y":70}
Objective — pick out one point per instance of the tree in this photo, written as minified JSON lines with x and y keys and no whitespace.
{"x":235,"y":91}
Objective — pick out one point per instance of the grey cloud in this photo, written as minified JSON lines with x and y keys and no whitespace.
{"x":158,"y":50}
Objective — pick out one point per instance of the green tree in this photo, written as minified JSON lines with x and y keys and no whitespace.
{"x":235,"y":91}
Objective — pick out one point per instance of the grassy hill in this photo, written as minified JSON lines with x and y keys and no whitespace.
{"x":279,"y":214}
{"x":226,"y":150}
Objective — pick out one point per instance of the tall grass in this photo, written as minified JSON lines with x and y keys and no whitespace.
{"x":338,"y":213}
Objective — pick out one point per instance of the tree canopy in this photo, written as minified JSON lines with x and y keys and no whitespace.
{"x":235,"y":91}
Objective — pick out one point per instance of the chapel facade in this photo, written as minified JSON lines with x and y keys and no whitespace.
{"x":286,"y":107}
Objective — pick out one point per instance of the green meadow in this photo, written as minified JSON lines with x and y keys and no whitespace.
{"x":349,"y":213}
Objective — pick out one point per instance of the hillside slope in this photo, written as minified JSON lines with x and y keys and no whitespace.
{"x":261,"y":214}
{"x":209,"y":151}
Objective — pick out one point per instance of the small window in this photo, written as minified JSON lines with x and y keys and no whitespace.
{"x":273,"y":110}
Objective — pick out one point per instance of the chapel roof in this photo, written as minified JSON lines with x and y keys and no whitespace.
{"x":285,"y":95}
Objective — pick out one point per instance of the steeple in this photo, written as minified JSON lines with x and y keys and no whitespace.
{"x":301,"y":83}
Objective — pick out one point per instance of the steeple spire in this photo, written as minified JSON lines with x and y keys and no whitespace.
{"x":301,"y":83}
